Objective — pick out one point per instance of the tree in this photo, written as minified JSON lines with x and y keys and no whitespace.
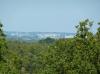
{"x":83,"y":29}
{"x":2,"y":43}
{"x":98,"y":32}
{"x":3,"y":51}
{"x":72,"y":56}
{"x":47,"y":40}
{"x":98,"y":49}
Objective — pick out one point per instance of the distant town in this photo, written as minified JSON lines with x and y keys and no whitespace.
{"x":37,"y":35}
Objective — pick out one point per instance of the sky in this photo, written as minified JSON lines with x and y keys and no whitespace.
{"x":47,"y":15}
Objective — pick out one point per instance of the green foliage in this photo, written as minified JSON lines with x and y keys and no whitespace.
{"x":77,"y":55}
{"x":83,"y":28}
{"x":48,"y":40}
{"x":98,"y":33}
{"x":2,"y":43}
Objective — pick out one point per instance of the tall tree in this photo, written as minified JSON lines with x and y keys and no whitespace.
{"x":83,"y":29}
{"x":2,"y":42}
{"x":98,"y":32}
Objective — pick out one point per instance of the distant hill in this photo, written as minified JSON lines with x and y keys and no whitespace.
{"x":37,"y":35}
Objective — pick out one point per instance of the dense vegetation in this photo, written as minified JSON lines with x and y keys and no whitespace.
{"x":78,"y":55}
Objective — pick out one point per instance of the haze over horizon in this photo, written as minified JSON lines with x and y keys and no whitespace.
{"x":47,"y":15}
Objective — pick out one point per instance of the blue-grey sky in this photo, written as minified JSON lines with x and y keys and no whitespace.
{"x":47,"y":15}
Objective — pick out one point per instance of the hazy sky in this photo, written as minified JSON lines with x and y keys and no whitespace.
{"x":47,"y":15}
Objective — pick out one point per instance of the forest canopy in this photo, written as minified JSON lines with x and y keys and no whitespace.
{"x":77,"y":55}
